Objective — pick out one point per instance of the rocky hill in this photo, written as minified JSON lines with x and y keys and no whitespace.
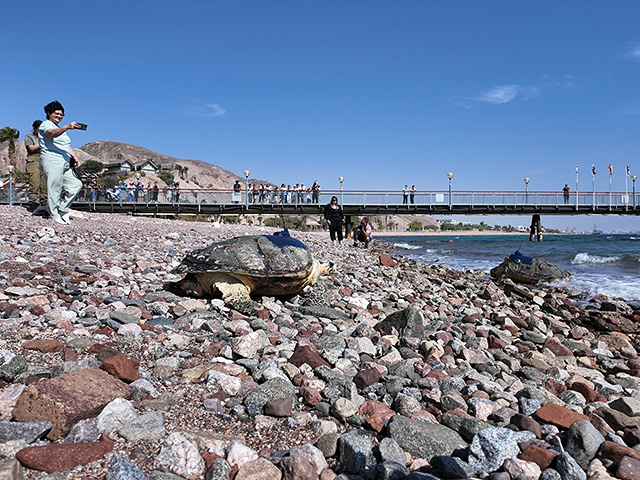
{"x":198,"y":173}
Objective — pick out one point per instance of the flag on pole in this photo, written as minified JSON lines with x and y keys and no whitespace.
{"x":610,"y":169}
{"x":593,"y":169}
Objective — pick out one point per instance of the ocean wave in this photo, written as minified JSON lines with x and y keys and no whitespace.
{"x":584,"y":257}
{"x":407,"y":246}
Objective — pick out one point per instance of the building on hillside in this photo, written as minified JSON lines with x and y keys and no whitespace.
{"x":127,"y":166}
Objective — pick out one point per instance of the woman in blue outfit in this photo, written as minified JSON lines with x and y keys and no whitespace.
{"x":56,"y":156}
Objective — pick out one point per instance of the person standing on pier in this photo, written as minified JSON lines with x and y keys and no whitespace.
{"x":333,"y":214}
{"x":405,"y":194}
{"x":565,"y":193}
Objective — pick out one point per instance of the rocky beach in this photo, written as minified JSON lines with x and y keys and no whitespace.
{"x":386,"y":369}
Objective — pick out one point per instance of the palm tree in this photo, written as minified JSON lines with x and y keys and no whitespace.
{"x":11,"y":135}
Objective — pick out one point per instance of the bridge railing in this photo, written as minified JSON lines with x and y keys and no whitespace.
{"x":470,"y":199}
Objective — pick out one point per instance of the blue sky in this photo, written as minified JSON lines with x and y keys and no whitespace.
{"x":383,"y":93}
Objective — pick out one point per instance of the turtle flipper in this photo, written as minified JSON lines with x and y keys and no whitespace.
{"x":236,"y":295}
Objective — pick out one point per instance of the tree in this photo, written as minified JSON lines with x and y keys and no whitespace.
{"x":90,"y":167}
{"x":166,"y":177}
{"x":415,"y":225}
{"x":11,"y":135}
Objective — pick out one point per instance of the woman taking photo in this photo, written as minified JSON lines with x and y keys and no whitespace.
{"x":333,"y":215}
{"x":56,"y":156}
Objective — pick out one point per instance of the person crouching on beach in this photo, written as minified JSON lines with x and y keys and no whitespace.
{"x":56,"y":156}
{"x":333,"y":215}
{"x":362,"y":233}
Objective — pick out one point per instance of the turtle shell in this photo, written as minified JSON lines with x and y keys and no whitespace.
{"x":255,"y":255}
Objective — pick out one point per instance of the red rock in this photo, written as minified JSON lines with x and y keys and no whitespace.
{"x":44,"y":345}
{"x":260,"y":469}
{"x":298,"y":468}
{"x":540,"y":456}
{"x":209,"y":458}
{"x":58,"y":457}
{"x":496,"y":343}
{"x":310,"y":395}
{"x":524,"y":422}
{"x":126,"y":369}
{"x":366,"y":377}
{"x":554,"y":386}
{"x":69,"y":398}
{"x":558,"y":416}
{"x":628,"y":469}
{"x":616,"y":452}
{"x":281,"y":407}
{"x":69,"y":355}
{"x":387,"y":261}
{"x":553,"y":344}
{"x":376,"y":414}
{"x":307,"y":354}
{"x":587,"y":392}
{"x":263,"y":314}
{"x":37,"y":310}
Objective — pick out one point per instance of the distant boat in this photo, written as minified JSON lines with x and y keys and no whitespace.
{"x":595,"y":230}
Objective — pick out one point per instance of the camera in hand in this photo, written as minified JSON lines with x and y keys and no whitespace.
{"x":82,"y":126}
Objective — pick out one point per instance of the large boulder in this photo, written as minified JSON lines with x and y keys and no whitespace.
{"x":523,"y":269}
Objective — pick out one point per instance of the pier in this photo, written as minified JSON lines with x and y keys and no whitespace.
{"x":354,"y":202}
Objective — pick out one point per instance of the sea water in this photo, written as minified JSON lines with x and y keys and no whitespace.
{"x":599,"y":264}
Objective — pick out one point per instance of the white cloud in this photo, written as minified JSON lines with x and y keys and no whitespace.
{"x":499,"y":95}
{"x":634,"y":52}
{"x":206,"y":110}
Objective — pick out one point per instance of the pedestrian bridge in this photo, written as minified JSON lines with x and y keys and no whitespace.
{"x":354,"y":202}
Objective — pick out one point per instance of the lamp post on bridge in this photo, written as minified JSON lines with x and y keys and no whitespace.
{"x":526,"y":189}
{"x":450,"y":176}
{"x":341,"y":179}
{"x":633,"y":180}
{"x":11,"y":167}
{"x":246,"y":200}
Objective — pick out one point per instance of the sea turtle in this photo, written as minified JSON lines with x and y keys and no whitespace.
{"x":253,"y":264}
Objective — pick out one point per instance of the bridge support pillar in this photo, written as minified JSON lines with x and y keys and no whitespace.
{"x":536,"y":228}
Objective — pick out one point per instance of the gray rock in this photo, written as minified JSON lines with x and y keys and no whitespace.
{"x":328,"y":444}
{"x":390,"y":451}
{"x":270,"y":390}
{"x":628,"y":405}
{"x":550,"y":474}
{"x":162,"y":296}
{"x":83,"y":431}
{"x":583,"y":442}
{"x":123,"y":469}
{"x":356,"y":451}
{"x":408,"y":322}
{"x":406,"y":405}
{"x":158,"y":475}
{"x":467,"y":427}
{"x":391,"y":471}
{"x":123,"y":317}
{"x":26,"y":431}
{"x":568,"y":468}
{"x":492,"y":446}
{"x":219,"y":470}
{"x":424,"y":439}
{"x":450,"y":467}
{"x":146,"y":428}
{"x":13,"y":368}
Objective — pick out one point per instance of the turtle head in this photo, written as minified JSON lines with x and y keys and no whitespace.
{"x":196,"y":286}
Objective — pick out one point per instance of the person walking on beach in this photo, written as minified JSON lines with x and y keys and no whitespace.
{"x":565,"y":193}
{"x":405,"y":194}
{"x":37,"y":182}
{"x":333,"y":215}
{"x":56,"y":157}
